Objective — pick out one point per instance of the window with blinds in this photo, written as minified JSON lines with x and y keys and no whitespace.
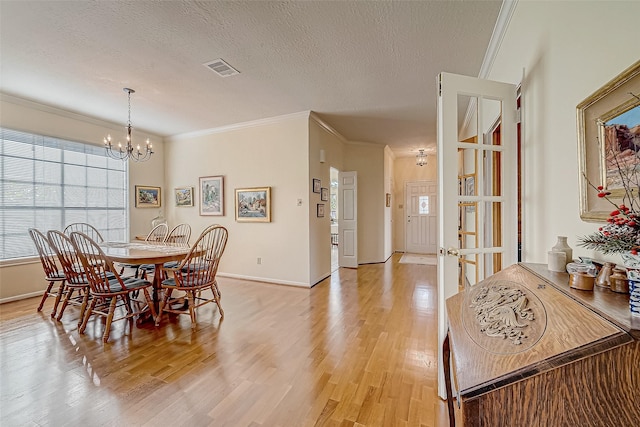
{"x":48,"y":183}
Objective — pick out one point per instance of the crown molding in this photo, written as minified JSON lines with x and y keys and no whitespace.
{"x":238,"y":126}
{"x":49,"y":109}
{"x":327,"y":127}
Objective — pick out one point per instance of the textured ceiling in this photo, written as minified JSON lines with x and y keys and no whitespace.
{"x":367,"y":68}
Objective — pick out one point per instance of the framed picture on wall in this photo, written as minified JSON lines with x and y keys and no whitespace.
{"x":184,"y":196}
{"x":212,"y":195}
{"x":147,"y":197}
{"x":320,"y":210}
{"x":607,"y":143}
{"x":316,"y":185}
{"x":253,"y":204}
{"x":324,"y":194}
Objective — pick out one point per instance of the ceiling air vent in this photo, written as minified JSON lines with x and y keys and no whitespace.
{"x":221,"y":68}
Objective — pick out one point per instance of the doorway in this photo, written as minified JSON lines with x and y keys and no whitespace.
{"x":421,"y":220}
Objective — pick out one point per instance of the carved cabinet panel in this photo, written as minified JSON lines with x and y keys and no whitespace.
{"x":525,"y":353}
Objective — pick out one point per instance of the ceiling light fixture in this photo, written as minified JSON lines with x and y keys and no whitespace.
{"x":421,"y":158}
{"x":128,"y":152}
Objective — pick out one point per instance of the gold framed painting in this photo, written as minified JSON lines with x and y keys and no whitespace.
{"x":608,"y":142}
{"x":147,"y":197}
{"x":184,"y":196}
{"x":253,"y":204}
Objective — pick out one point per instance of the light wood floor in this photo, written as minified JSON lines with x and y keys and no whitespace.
{"x":358,"y":349}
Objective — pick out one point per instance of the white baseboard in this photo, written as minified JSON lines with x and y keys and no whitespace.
{"x":265,"y":280}
{"x":19,"y":297}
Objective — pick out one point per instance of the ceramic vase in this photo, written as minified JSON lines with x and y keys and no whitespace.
{"x":562,"y":246}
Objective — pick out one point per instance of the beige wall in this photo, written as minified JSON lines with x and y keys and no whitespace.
{"x":282,"y":153}
{"x":272,"y":153}
{"x":405,"y":170}
{"x":368,"y":161}
{"x":26,"y":278}
{"x":321,"y":138}
{"x":389,"y":159}
{"x":567,"y":50}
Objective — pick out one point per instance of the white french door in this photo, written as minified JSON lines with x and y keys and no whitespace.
{"x":421,"y":221}
{"x":477,"y":186}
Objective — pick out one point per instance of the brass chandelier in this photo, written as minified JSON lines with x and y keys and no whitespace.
{"x":129,"y":151}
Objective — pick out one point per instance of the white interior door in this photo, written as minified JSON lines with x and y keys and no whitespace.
{"x":477,"y":177}
{"x":348,"y":219}
{"x":421,"y":221}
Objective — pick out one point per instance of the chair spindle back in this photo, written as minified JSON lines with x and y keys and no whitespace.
{"x":96,"y":265}
{"x":201,"y":264}
{"x":181,"y":233}
{"x":85,"y":228}
{"x":158,"y":233}
{"x":68,"y":257}
{"x":46,"y":254}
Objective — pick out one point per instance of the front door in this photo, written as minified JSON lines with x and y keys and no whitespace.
{"x":477,"y":176}
{"x":421,"y":221}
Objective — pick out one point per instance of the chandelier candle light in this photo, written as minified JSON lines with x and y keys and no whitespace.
{"x":128,"y":152}
{"x":421,"y":158}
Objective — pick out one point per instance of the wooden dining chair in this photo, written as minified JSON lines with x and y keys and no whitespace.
{"x":157,"y":234}
{"x":180,"y":234}
{"x":109,"y":291}
{"x":74,"y":272}
{"x":85,"y":228}
{"x":52,"y":272}
{"x":195,"y":274}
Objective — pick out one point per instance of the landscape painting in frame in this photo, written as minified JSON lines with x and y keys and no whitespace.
{"x":253,"y":204}
{"x":608,"y":142}
{"x":184,"y":196}
{"x":621,"y":135}
{"x":147,"y":197}
{"x":212,"y":195}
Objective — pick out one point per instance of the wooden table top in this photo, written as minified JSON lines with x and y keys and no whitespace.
{"x":144,"y":252}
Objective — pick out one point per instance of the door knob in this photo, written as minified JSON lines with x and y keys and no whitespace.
{"x":452,"y":252}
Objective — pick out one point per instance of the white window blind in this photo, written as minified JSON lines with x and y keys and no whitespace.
{"x":48,"y":183}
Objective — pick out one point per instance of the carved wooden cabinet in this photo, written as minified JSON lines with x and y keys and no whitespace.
{"x":527,"y":350}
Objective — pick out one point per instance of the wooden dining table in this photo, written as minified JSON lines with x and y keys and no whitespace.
{"x":156,"y":253}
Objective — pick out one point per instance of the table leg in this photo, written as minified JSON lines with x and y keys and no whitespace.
{"x":155,"y":294}
{"x":157,"y":286}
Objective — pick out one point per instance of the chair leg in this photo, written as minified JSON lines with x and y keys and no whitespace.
{"x":61,"y":289}
{"x":167,"y":295}
{"x":107,"y":326}
{"x":83,"y":307}
{"x":45,"y":295}
{"x":65,"y":302}
{"x":192,"y":308}
{"x":92,"y":306}
{"x":217,"y":290}
{"x":217,"y":299}
{"x":147,"y":296}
